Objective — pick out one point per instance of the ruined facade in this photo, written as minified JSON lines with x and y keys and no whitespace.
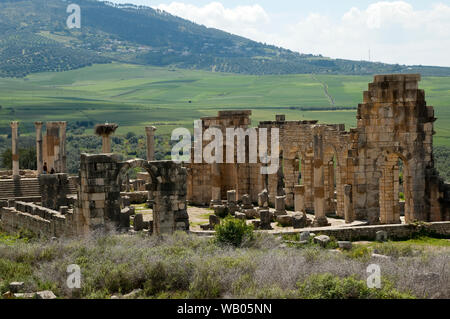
{"x":354,"y":174}
{"x":101,"y":177}
{"x":98,"y":204}
{"x":323,"y":170}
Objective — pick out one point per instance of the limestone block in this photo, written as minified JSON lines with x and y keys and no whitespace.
{"x":280,"y":205}
{"x":231,"y":196}
{"x":263,"y":199}
{"x":345,"y":245}
{"x":16,"y":286}
{"x":46,"y":294}
{"x":285,"y":220}
{"x":322,"y":240}
{"x":138,"y":222}
{"x":299,"y":220}
{"x":265,"y":218}
{"x":381,"y":236}
{"x":304,"y":235}
{"x":246,"y":202}
{"x":249,"y":213}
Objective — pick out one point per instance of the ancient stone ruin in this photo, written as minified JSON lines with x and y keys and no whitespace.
{"x":324,"y":170}
{"x":393,"y":123}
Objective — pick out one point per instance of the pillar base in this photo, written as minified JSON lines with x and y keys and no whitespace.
{"x":16,"y":177}
{"x":321,"y":222}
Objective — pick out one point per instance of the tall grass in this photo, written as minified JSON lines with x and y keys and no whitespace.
{"x":184,"y":266}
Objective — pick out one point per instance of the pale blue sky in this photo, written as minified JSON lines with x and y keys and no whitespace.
{"x":405,"y":31}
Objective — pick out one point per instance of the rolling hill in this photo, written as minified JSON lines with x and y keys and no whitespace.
{"x":34,"y":38}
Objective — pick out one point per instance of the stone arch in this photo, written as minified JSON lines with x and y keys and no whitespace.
{"x":332,"y":175}
{"x":389,"y":170}
{"x":295,"y":156}
{"x":134,"y":163}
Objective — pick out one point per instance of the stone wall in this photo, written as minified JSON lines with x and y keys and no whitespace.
{"x":37,"y":219}
{"x":24,"y":173}
{"x":54,"y":189}
{"x":395,"y":232}
{"x":101,"y":176}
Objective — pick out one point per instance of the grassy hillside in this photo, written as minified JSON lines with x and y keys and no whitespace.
{"x":34,"y":38}
{"x":134,"y":96}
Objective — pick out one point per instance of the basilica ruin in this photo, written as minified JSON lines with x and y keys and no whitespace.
{"x":324,"y":171}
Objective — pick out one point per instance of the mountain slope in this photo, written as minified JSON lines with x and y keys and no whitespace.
{"x":34,"y":38}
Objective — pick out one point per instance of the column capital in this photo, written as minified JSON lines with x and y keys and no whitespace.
{"x":150,"y":129}
{"x":38,"y":124}
{"x":14,"y":124}
{"x":62,"y":124}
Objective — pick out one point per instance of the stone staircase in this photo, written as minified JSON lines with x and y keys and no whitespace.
{"x":26,"y":188}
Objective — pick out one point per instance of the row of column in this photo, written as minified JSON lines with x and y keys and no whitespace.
{"x":58,"y":157}
{"x":150,"y":132}
{"x":319,"y":186}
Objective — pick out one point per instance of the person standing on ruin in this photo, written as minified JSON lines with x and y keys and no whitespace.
{"x":45,"y":169}
{"x":52,"y":171}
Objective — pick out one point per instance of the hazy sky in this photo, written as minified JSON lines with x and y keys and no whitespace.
{"x":404,"y":32}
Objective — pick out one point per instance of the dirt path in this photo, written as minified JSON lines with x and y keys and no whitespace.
{"x":325,"y":89}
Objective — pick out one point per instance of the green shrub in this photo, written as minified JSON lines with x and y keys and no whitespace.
{"x":358,"y":252}
{"x":327,"y":286}
{"x":233,"y":231}
{"x":206,"y":285}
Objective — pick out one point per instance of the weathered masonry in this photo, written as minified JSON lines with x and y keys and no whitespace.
{"x":325,"y":170}
{"x":354,"y":174}
{"x":99,"y":204}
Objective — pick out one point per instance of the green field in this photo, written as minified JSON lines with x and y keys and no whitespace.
{"x":135,"y":96}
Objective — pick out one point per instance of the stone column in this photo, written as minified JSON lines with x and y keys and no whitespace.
{"x":348,"y":206}
{"x":308,"y":182}
{"x":62,"y":147}
{"x":319,"y":188}
{"x":280,"y":205}
{"x":150,"y":131}
{"x":39,"y":150}
{"x":331,"y":188}
{"x":105,"y":131}
{"x":299,"y":198}
{"x":15,"y":149}
{"x":106,"y":143}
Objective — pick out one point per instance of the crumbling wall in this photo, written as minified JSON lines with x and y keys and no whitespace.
{"x":37,"y":219}
{"x":394,"y":123}
{"x":54,"y":189}
{"x":101,"y":176}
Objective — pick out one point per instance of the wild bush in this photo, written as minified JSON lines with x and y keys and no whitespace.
{"x":233,"y":231}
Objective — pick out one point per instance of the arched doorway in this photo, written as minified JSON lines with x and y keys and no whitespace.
{"x":334,"y":192}
{"x":394,"y":188}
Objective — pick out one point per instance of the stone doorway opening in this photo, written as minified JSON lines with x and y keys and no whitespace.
{"x":395,"y":193}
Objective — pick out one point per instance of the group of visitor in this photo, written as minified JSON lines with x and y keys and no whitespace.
{"x":45,"y":169}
